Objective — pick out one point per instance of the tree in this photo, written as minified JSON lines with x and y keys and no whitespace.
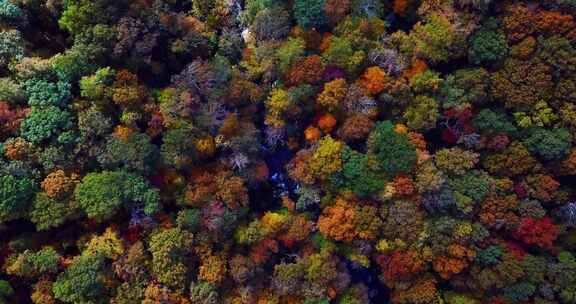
{"x":340,"y":53}
{"x":203,"y":293}
{"x":307,"y":70}
{"x":102,"y":194}
{"x":43,"y":93}
{"x":326,"y":158}
{"x":357,"y":175}
{"x":179,"y":147}
{"x":271,"y":24}
{"x":455,"y":160}
{"x":310,"y":13}
{"x":82,"y":282}
{"x":46,"y":123}
{"x":465,"y":87}
{"x":168,"y":248}
{"x":33,"y":264}
{"x":94,"y":87}
{"x":422,"y":114}
{"x":520,"y":84}
{"x":392,"y":152}
{"x":434,"y":38}
{"x":540,"y":232}
{"x":47,"y":213}
{"x":337,"y":221}
{"x":11,"y":13}
{"x":135,"y":153}
{"x":356,"y":128}
{"x":58,"y":185}
{"x":77,"y":62}
{"x":289,"y":52}
{"x":333,"y":94}
{"x":488,"y":45}
{"x":5,"y":291}
{"x":550,"y":145}
{"x":11,"y":46}
{"x":15,"y":196}
{"x":374,"y":80}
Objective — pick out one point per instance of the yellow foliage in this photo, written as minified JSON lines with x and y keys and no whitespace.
{"x":108,"y":244}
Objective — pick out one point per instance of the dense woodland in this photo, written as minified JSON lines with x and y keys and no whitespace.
{"x":287,"y":152}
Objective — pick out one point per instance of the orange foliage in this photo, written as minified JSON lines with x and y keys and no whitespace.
{"x":401,"y":265}
{"x":423,"y":292}
{"x":374,"y":80}
{"x":518,"y":21}
{"x":403,"y":186}
{"x":498,"y":210}
{"x":337,"y":221}
{"x":57,"y":184}
{"x":400,"y":7}
{"x":126,"y":91}
{"x":261,"y":251}
{"x":326,"y":39}
{"x":306,"y":70}
{"x":554,"y":23}
{"x":327,"y":122}
{"x":213,"y":269}
{"x":298,"y":168}
{"x":122,"y":132}
{"x":418,"y":66}
{"x":417,"y":140}
{"x":312,"y":134}
{"x":336,"y":10}
{"x":541,"y":187}
{"x":447,"y":266}
{"x":16,"y":149}
{"x":568,"y":166}
{"x":300,"y":228}
{"x":333,"y":94}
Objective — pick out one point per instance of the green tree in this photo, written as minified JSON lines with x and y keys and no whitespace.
{"x":33,"y":264}
{"x":5,"y":291}
{"x":15,"y":196}
{"x":548,"y":144}
{"x":11,"y":13}
{"x":48,"y":213}
{"x":310,"y":13}
{"x":45,"y":123}
{"x":488,"y":45}
{"x":11,"y":46}
{"x":422,"y":113}
{"x":341,"y":54}
{"x":203,"y":293}
{"x":102,"y":194}
{"x":135,"y":154}
{"x":83,"y":282}
{"x":391,"y":152}
{"x":490,"y":122}
{"x":168,"y":248}
{"x":43,"y":93}
{"x":357,"y":175}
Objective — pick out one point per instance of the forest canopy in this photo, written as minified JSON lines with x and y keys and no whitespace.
{"x":287,"y":152}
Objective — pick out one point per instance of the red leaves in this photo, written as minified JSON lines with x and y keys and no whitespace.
{"x":540,"y":232}
{"x":400,"y":265}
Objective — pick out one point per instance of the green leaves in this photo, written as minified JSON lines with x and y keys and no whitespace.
{"x":488,"y":45}
{"x":102,"y":194}
{"x":82,"y":282}
{"x":15,"y":196}
{"x":46,"y":123}
{"x":391,"y":152}
{"x":310,"y":13}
